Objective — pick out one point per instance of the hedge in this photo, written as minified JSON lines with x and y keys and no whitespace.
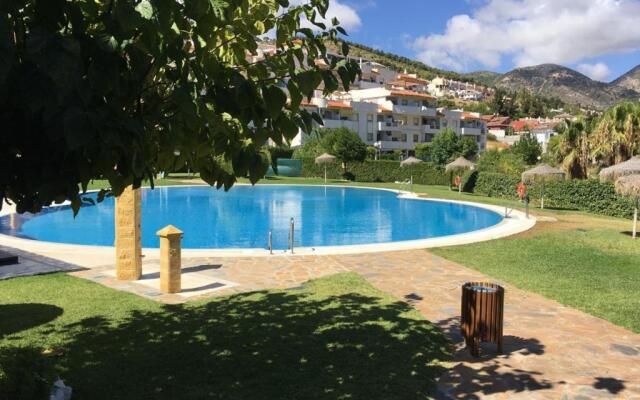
{"x":586,"y":195}
{"x":496,"y":185}
{"x":379,"y":171}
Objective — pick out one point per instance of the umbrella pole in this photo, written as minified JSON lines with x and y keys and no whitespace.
{"x":542,"y":197}
{"x":411,"y":179}
{"x":635,"y":223}
{"x":325,"y":174}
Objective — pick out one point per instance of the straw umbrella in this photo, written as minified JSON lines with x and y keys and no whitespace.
{"x":408,"y":163}
{"x":458,"y":164}
{"x":325,"y":159}
{"x":629,"y":185}
{"x":630,"y":167}
{"x":542,"y":173}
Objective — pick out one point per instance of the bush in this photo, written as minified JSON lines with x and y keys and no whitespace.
{"x":584,"y":195}
{"x":24,"y":374}
{"x":468,"y":181}
{"x":496,"y":185}
{"x":379,"y":171}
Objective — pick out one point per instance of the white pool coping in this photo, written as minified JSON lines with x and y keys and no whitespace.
{"x":89,"y":256}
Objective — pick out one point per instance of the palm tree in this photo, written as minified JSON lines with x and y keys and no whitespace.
{"x":574,"y":147}
{"x":616,"y":137}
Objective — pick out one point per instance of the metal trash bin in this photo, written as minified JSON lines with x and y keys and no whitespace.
{"x":482,"y":315}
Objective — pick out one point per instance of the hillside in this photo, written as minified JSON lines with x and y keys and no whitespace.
{"x":401,"y":63}
{"x":572,"y":87}
{"x":630,"y":80}
{"x":488,"y":78}
{"x":545,"y":81}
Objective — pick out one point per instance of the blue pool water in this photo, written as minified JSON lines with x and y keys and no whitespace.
{"x":242,"y":218}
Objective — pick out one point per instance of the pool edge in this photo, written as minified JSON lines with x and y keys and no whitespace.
{"x":86,"y":255}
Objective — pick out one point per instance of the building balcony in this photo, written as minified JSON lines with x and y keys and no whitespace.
{"x":394,"y":145}
{"x":471,"y":131}
{"x":389,"y":125}
{"x":415,"y":110}
{"x":336,"y":123}
{"x":430,"y":130}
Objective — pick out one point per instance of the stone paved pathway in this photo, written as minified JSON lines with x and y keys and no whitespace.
{"x":551,"y":351}
{"x":32,"y":264}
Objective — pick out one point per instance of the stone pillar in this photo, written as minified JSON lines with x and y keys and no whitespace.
{"x":128,"y":242}
{"x":170,"y":259}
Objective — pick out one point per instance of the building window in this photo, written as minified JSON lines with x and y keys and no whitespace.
{"x":405,"y":102}
{"x":370,"y":126}
{"x":416,"y":121}
{"x":416,"y":138}
{"x":370,"y":136}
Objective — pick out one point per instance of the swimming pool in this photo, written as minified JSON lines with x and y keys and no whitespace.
{"x":243,"y":217}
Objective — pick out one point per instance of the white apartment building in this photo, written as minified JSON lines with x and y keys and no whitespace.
{"x":394,"y":118}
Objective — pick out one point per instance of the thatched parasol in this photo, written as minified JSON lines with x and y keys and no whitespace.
{"x":460,"y":163}
{"x":542,"y":173}
{"x":629,"y":185}
{"x":325,"y":159}
{"x":629,"y":167}
{"x":408,"y":162}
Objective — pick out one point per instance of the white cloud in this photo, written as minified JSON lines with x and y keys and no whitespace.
{"x":347,"y":15}
{"x":529,"y":32}
{"x":599,"y":71}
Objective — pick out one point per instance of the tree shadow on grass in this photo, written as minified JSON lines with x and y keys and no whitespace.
{"x":262,"y":345}
{"x":15,"y":318}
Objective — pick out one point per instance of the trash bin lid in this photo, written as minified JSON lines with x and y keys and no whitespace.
{"x":478,"y":288}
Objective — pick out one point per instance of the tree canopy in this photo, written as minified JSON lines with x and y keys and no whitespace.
{"x":120,"y":90}
{"x":446,"y":146}
{"x":528,"y":148}
{"x":345,"y":144}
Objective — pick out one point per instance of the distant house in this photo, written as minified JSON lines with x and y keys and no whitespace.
{"x":523,"y":125}
{"x":498,"y":126}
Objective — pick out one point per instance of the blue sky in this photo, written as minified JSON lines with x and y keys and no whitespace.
{"x":599,"y":38}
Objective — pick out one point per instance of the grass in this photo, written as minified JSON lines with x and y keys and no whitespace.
{"x":334,"y":338}
{"x":586,"y":262}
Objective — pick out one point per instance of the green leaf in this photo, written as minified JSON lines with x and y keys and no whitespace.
{"x":274,"y":99}
{"x":145,"y":9}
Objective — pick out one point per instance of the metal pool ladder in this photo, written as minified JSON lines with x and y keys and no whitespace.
{"x":291,"y":238}
{"x":291,"y":235}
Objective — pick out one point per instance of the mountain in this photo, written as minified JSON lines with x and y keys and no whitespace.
{"x":551,"y":80}
{"x":487,"y":78}
{"x":630,"y":80}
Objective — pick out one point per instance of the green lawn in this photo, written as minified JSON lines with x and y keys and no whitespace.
{"x":590,"y":266}
{"x":334,"y":338}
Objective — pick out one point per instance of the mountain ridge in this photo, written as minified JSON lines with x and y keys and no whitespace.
{"x":573,"y":87}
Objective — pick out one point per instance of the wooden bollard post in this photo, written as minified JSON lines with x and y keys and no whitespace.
{"x":170,"y":259}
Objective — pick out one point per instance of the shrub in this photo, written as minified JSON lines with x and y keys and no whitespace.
{"x":496,"y":185}
{"x":379,"y":171}
{"x":528,"y":148}
{"x":584,"y":195}
{"x":24,"y":374}
{"x":468,"y":181}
